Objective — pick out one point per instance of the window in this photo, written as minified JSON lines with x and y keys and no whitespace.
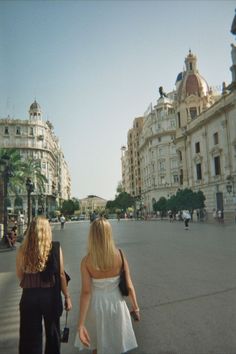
{"x":31,"y":131}
{"x":162,"y":165}
{"x":175,"y":178}
{"x":163,"y":181}
{"x":179,"y":121}
{"x":193,"y":112}
{"x":190,"y":66}
{"x":174,"y":163}
{"x":197,"y":147}
{"x":217,"y":165}
{"x":6,"y":131}
{"x":17,"y":130}
{"x":199,"y":171}
{"x":180,"y":156}
{"x":216,"y":138}
{"x":181,"y":177}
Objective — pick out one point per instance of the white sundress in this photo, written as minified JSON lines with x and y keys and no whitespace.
{"x":108,"y":319}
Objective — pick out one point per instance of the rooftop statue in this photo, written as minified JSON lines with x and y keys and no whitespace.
{"x":233,"y":27}
{"x":161,"y":92}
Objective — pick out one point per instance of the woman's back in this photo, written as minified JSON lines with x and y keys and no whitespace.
{"x":101,"y":274}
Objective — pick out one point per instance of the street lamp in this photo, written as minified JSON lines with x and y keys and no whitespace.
{"x":30,"y":188}
{"x":42,"y":209}
{"x":6,"y":174}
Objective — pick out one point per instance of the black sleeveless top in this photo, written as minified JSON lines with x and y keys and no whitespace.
{"x":46,"y":278}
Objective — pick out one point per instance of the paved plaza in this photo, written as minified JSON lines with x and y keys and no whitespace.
{"x":185,"y":282}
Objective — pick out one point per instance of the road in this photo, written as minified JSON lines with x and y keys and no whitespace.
{"x":185,"y":282}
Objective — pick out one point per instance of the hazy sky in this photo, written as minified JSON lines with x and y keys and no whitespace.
{"x":94,"y":66}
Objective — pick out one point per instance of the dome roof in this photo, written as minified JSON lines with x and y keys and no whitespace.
{"x":35,"y":106}
{"x":179,"y":77}
{"x":191,"y":82}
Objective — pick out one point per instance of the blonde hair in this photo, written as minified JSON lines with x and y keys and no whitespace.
{"x":37,"y":245}
{"x":101,"y":247}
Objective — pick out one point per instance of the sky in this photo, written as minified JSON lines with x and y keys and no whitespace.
{"x":94,"y":66}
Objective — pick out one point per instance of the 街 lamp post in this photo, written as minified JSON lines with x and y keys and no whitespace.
{"x":30,"y":188}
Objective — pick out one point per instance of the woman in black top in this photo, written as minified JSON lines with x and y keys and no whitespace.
{"x":40,"y":268}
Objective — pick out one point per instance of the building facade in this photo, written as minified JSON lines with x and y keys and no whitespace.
{"x":92,"y":203}
{"x":130,"y":160}
{"x":35,"y":139}
{"x":188,"y":140}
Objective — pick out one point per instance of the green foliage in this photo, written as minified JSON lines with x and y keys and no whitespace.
{"x":76,"y":203}
{"x":69,"y":206}
{"x":119,"y":188}
{"x":21,"y":170}
{"x":122,"y":201}
{"x":161,"y":205}
{"x":32,"y":169}
{"x":186,"y":199}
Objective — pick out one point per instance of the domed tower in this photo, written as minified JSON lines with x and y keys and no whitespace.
{"x":35,"y":111}
{"x":193,"y":93}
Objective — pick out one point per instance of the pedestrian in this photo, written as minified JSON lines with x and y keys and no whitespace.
{"x":12,"y":237}
{"x":170,"y":214}
{"x":93,"y":216}
{"x":62,"y":221}
{"x":187,"y":217}
{"x":40,"y":268}
{"x":104,"y":324}
{"x":219,"y":216}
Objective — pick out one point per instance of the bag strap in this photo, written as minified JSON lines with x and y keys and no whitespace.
{"x":122,"y":266}
{"x":66,"y":318}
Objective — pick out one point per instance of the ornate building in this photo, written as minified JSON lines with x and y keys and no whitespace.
{"x":158,"y":161}
{"x":189,"y":140}
{"x":131,"y":177}
{"x":205,"y":140}
{"x":36,"y":140}
{"x":92,"y":203}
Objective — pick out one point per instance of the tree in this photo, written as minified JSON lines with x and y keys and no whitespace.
{"x":161,"y":206}
{"x":76,"y":203}
{"x":119,"y":188}
{"x":186,"y":199}
{"x":69,"y":206}
{"x":15,"y":165}
{"x":32,"y":169}
{"x":122,"y":201}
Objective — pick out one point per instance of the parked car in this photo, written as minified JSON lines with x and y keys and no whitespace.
{"x":55,"y":219}
{"x":74,"y":218}
{"x":82,"y":217}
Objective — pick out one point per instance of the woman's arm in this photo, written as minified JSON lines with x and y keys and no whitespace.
{"x":84,"y":303}
{"x":19,"y":271}
{"x":132,"y":293}
{"x":64,"y":287}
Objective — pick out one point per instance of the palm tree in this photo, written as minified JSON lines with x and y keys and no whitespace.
{"x":12,"y":158}
{"x":11,"y":163}
{"x":32,"y":170}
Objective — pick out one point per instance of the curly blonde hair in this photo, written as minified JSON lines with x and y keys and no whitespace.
{"x":101,"y":247}
{"x":37,"y":245}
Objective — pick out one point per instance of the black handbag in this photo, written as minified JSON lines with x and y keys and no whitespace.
{"x":65,"y":332}
{"x":123,"y":284}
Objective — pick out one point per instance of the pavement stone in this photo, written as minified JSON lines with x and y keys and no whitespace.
{"x":185,"y":282}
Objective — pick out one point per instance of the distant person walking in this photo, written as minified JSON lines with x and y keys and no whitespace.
{"x":62,"y":221}
{"x":187,"y":217}
{"x":93,"y":216}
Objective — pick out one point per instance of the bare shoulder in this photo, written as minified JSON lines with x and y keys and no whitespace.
{"x":84,"y":262}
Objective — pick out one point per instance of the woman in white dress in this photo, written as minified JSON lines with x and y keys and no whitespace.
{"x":104,"y":325}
